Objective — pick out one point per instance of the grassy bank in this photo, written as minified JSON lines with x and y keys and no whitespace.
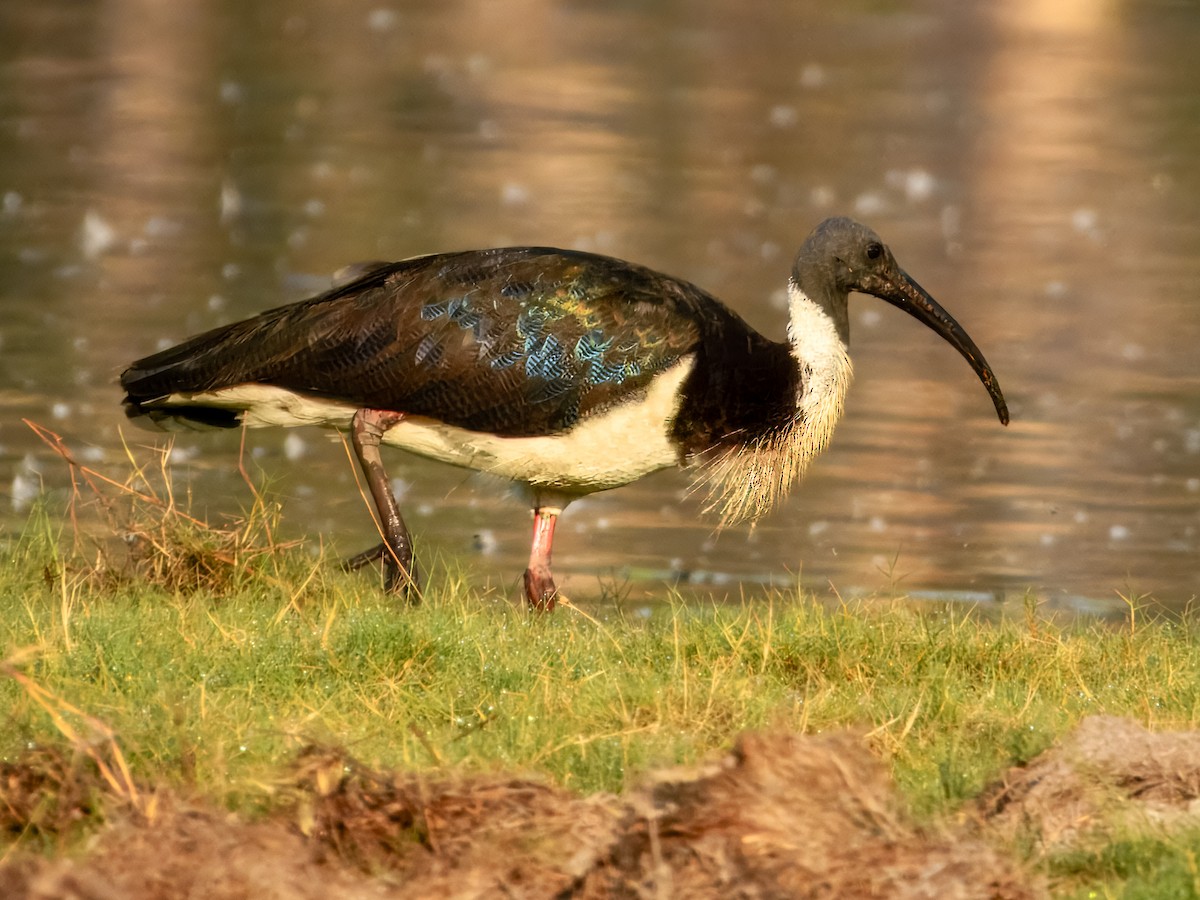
{"x":208,"y":676}
{"x":215,"y":687}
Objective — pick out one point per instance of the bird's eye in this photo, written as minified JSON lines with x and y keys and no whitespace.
{"x":874,"y":250}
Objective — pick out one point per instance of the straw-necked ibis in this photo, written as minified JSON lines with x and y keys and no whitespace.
{"x":564,"y":371}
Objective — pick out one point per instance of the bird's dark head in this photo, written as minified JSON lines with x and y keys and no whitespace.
{"x":846,"y":256}
{"x":842,"y":255}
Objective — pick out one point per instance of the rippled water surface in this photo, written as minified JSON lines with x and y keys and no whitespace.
{"x":166,"y":168}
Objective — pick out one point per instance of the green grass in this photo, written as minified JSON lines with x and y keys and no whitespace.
{"x":1132,"y":868}
{"x":227,"y":686}
{"x":214,"y":690}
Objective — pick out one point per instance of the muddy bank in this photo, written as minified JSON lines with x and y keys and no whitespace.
{"x":779,"y":816}
{"x":1108,"y":777}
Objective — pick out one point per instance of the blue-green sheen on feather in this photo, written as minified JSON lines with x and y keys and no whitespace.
{"x":592,"y":345}
{"x":531,"y":323}
{"x":594,"y":359}
{"x":601,"y":373}
{"x":545,"y":358}
{"x":431,"y":311}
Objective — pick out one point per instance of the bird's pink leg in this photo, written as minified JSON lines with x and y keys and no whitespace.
{"x":366,"y":431}
{"x":540,"y":589}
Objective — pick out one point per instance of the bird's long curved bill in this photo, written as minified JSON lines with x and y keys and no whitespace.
{"x":915,"y":300}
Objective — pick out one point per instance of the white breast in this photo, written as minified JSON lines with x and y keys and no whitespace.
{"x":825,"y":367}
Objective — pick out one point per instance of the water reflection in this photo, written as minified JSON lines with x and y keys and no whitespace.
{"x":162,"y":172}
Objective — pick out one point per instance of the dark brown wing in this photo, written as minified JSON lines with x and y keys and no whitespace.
{"x":515,"y":341}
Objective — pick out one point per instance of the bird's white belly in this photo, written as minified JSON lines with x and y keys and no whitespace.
{"x":605,"y":450}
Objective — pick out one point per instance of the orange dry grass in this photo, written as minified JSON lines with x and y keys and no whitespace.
{"x":149,"y":539}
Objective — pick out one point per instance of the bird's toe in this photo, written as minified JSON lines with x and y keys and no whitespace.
{"x":366,"y":558}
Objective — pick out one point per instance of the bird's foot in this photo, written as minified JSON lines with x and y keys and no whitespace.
{"x":540,"y":590}
{"x":400,"y":577}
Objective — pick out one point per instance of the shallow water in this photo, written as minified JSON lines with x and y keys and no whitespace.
{"x":164,"y":171}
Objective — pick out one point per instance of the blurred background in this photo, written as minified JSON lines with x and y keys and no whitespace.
{"x":166,"y":168}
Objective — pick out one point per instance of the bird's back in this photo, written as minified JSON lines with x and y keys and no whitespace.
{"x":514,"y":341}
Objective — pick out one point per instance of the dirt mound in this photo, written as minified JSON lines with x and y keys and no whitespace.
{"x":781,"y":816}
{"x":453,"y":838}
{"x":1109,"y":773}
{"x":189,"y":853}
{"x":792,"y":816}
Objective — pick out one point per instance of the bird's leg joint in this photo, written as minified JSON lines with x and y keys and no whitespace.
{"x":368,"y":426}
{"x":366,"y":432}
